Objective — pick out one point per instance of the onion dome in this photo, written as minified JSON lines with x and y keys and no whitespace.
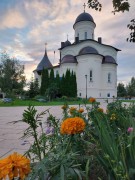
{"x":108,"y":59}
{"x":44,"y":63}
{"x":88,"y":50}
{"x":84,"y":17}
{"x":67,"y":43}
{"x":68,"y":59}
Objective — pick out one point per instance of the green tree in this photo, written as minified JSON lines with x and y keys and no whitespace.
{"x":119,"y":6}
{"x":131,"y":87}
{"x":31,"y":91}
{"x":74,"y":85}
{"x":52,"y":91}
{"x":121,"y":90}
{"x":12,"y":78}
{"x":51,"y":79}
{"x":62,"y":85}
{"x":36,"y":86}
{"x":44,"y":81}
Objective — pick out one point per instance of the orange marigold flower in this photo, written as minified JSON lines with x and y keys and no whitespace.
{"x":14,"y":165}
{"x":113,"y":117}
{"x":81,"y":110}
{"x":72,"y":125}
{"x":92,"y":100}
{"x":72,"y":109}
{"x":100,"y":110}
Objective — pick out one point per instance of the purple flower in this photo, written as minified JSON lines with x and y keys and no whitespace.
{"x":130,"y":129}
{"x":48,"y":130}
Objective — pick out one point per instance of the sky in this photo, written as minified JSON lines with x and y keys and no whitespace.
{"x":26,"y":25}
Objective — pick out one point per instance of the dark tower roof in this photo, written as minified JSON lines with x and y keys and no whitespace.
{"x":68,"y":59}
{"x":84,"y":17}
{"x":88,"y":50}
{"x":44,"y":63}
{"x":108,"y":59}
{"x":67,"y":43}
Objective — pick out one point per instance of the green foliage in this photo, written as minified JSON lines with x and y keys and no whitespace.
{"x":44,"y":82}
{"x":104,"y":150}
{"x":51,"y":79}
{"x":121,"y":90}
{"x":69,"y":84}
{"x":131,"y":27}
{"x":131,"y":87}
{"x":52,"y":91}
{"x":33,"y":88}
{"x":12,"y":78}
{"x":119,"y":6}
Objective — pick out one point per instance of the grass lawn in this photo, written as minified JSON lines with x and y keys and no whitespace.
{"x":18,"y":102}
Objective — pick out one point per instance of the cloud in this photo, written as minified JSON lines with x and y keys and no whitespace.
{"x":12,"y":19}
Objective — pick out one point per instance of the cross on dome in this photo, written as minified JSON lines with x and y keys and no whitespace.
{"x":84,"y":6}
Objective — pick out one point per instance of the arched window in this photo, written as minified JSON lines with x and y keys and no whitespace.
{"x":109,"y":77}
{"x":91,"y":76}
{"x":85,"y":35}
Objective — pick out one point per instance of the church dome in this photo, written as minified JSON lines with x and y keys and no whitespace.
{"x":67,"y":43}
{"x":88,"y":50}
{"x":108,"y":59}
{"x":84,"y":17}
{"x":44,"y":63}
{"x":68,"y":59}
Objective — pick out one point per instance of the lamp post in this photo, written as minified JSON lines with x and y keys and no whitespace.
{"x":86,"y":85}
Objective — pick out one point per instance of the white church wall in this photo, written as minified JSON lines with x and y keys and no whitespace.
{"x":85,"y":64}
{"x":109,"y":87}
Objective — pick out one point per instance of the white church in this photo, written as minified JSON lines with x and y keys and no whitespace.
{"x":94,"y":63}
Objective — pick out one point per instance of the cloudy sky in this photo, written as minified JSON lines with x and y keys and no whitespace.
{"x":25,"y":26}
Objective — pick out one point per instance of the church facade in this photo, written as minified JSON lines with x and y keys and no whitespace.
{"x":94,"y":63}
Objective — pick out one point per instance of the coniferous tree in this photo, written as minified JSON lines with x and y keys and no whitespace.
{"x":67,"y":83}
{"x":75,"y":85}
{"x":31,"y":91}
{"x":62,"y":85}
{"x":44,"y":81}
{"x":58,"y":82}
{"x":51,"y":79}
{"x":36,"y":86}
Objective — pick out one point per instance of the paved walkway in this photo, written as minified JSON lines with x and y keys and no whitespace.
{"x":10,"y":133}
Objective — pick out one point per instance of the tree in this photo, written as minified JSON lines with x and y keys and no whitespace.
{"x":119,"y":6}
{"x":51,"y":79}
{"x":52,"y":91}
{"x":131,"y":87}
{"x":36,"y":86}
{"x":33,"y":88}
{"x":12,"y":78}
{"x":44,"y":82}
{"x":121,"y":90}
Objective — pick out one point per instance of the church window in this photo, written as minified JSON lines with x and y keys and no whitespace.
{"x":57,"y":72}
{"x":80,"y":94}
{"x":108,"y":95}
{"x":85,"y":35}
{"x":92,"y":36}
{"x":91,"y":76}
{"x":109,"y":77}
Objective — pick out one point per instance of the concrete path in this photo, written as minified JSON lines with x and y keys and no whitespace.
{"x":10,"y":133}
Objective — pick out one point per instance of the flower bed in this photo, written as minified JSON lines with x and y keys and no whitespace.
{"x":84,"y":144}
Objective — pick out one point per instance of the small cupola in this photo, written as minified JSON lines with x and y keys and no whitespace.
{"x":84,"y":26}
